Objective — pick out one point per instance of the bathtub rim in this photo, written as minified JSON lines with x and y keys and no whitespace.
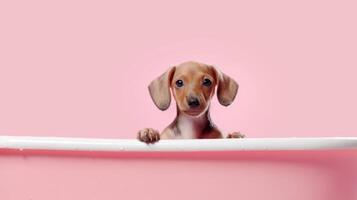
{"x":182,"y":145}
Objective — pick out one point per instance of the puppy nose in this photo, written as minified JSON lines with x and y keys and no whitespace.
{"x":193,"y":102}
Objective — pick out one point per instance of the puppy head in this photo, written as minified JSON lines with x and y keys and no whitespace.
{"x":193,"y":85}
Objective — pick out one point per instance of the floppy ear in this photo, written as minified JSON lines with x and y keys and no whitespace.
{"x":227,"y":88}
{"x":160,"y":89}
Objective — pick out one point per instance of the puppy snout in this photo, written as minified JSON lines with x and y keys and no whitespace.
{"x":193,"y":102}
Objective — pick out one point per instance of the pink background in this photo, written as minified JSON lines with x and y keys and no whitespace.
{"x":81,"y":69}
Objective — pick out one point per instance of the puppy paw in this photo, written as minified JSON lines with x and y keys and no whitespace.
{"x":236,"y":135}
{"x":148,"y":135}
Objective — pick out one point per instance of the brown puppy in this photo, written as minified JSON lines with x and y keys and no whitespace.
{"x":193,"y":85}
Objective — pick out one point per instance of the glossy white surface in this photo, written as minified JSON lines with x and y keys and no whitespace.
{"x":133,"y":145}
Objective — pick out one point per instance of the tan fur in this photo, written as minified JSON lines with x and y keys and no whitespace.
{"x":190,"y":122}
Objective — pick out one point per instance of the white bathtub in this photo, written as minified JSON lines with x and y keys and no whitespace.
{"x":276,"y":168}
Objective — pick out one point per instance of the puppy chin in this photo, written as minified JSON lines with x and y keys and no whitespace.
{"x":194,"y":113}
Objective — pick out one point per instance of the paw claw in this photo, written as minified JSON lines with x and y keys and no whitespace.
{"x":148,"y":135}
{"x":236,"y":135}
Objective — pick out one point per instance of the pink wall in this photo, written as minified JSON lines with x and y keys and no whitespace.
{"x":81,"y":69}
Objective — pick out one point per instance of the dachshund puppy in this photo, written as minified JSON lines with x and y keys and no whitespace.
{"x":192,"y":85}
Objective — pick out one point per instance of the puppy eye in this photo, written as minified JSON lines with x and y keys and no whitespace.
{"x":179,"y":83}
{"x":207,"y":82}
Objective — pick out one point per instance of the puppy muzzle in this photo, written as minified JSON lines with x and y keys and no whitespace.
{"x":193,"y":102}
